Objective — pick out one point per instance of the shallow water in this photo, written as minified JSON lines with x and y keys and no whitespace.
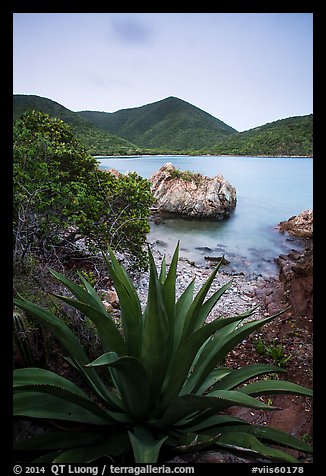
{"x":269,"y":190}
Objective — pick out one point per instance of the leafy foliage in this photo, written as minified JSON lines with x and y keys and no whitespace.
{"x":95,"y":140}
{"x":61,"y":197}
{"x":273,"y":350}
{"x":164,"y":385}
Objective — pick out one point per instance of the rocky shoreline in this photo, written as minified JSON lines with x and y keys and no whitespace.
{"x":293,"y":286}
{"x":240,"y":297}
{"x":293,"y":330}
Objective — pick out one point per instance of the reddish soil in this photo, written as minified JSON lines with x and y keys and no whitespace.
{"x":294,"y":331}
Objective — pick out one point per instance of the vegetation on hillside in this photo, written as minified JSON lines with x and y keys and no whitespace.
{"x":63,"y":202}
{"x":96,"y":141}
{"x":173,"y":126}
{"x":291,"y":136}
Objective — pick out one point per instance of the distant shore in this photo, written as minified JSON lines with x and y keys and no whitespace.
{"x":204,"y":155}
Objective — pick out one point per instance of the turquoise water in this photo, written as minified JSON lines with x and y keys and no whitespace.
{"x":269,"y":190}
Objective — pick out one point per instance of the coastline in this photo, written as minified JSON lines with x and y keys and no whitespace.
{"x":203,"y":155}
{"x":239,"y":298}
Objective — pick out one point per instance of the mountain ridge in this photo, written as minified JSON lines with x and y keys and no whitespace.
{"x":172,"y":121}
{"x":90,"y":135}
{"x":173,"y":126}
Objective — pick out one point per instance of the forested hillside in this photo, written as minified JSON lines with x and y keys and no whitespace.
{"x":96,"y":140}
{"x":291,"y":136}
{"x":171,"y":124}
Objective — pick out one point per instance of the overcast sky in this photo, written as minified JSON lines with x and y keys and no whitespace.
{"x":246,"y":69}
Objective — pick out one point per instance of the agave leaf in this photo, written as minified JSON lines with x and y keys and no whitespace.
{"x":280,"y":437}
{"x":169,"y":296}
{"x":131,"y":314}
{"x":209,"y":304}
{"x":169,"y":288}
{"x":182,"y":307}
{"x":82,"y":294}
{"x":239,"y":376}
{"x":110,"y":445}
{"x":225,"y":343}
{"x":185,"y":356}
{"x":145,"y":446}
{"x":132,"y":382}
{"x":245,"y":441}
{"x":58,"y":440}
{"x":234,"y":397}
{"x":104,"y":360}
{"x":162,"y":276}
{"x":47,"y":382}
{"x":192,"y":316}
{"x":156,"y":335}
{"x":213,"y":378}
{"x":41,"y":405}
{"x":70,"y":343}
{"x":275,"y":386}
{"x":108,"y":332}
{"x":91,"y":291}
{"x":188,"y":405}
{"x":57,"y":327}
{"x":211,"y":422}
{"x":199,"y":374}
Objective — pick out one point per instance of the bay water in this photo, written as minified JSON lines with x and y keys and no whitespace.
{"x":269,"y":190}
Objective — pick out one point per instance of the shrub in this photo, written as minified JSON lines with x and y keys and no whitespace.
{"x":187,"y":176}
{"x":61,"y":198}
{"x":165,"y":387}
{"x":274,"y":351}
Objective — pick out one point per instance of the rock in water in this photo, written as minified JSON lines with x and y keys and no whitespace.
{"x":192,"y":194}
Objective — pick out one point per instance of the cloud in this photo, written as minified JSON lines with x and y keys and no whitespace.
{"x":106,"y":82}
{"x":130,"y":29}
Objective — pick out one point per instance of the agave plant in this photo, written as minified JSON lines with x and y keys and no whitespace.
{"x":159,"y":383}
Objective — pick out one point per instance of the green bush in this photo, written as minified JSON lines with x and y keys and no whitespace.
{"x":64,"y":203}
{"x":163,"y":386}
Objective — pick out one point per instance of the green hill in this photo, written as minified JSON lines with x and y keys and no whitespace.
{"x":291,"y":136}
{"x":174,"y":126}
{"x":170,"y":124}
{"x":96,"y":141}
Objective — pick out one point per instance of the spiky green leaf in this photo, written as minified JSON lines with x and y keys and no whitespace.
{"x":132,"y":383}
{"x":131,"y":314}
{"x":145,"y":446}
{"x":244,"y":441}
{"x":69,"y":342}
{"x":41,"y":405}
{"x":239,"y":376}
{"x":275,"y":386}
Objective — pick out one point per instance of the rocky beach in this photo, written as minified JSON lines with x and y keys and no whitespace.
{"x":292,"y":289}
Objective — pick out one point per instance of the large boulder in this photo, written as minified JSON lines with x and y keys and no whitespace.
{"x":192,"y":194}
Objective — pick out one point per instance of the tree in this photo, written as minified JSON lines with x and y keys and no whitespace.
{"x":63,"y":202}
